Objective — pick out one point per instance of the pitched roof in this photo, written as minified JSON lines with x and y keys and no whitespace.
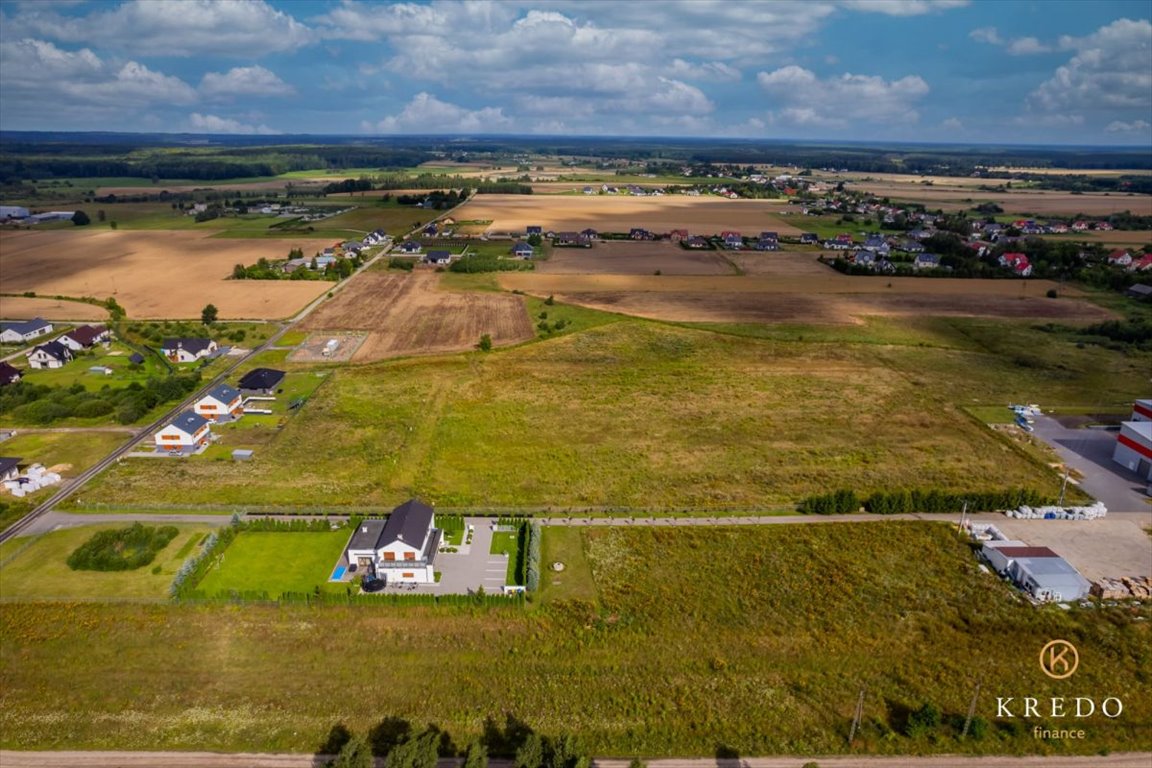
{"x":7,"y":463}
{"x":55,"y":349}
{"x":367,"y":535}
{"x":408,"y":523}
{"x":8,"y":373}
{"x":261,"y":378}
{"x":189,"y":421}
{"x":86,"y":334}
{"x":223,"y":393}
{"x":24,"y":326}
{"x":192,"y":346}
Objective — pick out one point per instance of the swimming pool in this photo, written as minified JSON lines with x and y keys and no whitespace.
{"x":338,"y":573}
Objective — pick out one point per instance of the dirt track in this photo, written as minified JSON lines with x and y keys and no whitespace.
{"x":408,"y":314}
{"x":254,"y":760}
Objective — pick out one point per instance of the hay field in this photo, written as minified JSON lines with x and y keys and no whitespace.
{"x":410,"y":314}
{"x":794,"y":288}
{"x":50,"y":309}
{"x":1125,"y":238}
{"x":152,"y":274}
{"x":621,"y":257}
{"x":619,"y":213}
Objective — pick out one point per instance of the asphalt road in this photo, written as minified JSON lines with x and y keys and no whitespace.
{"x":1089,"y":451}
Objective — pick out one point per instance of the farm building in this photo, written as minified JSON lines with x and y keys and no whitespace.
{"x":50,"y":355}
{"x":38,"y":218}
{"x":572,"y":240}
{"x":187,"y":431}
{"x":84,"y":336}
{"x":1037,"y":570}
{"x":9,"y":467}
{"x":21,"y":331}
{"x":1134,"y":443}
{"x":262,"y":381}
{"x":187,"y":350}
{"x":9,"y":374}
{"x":222,"y":402}
{"x":1140,"y":291}
{"x":401,"y":549}
{"x":12,"y":212}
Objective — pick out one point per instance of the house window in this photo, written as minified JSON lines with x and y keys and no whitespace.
{"x":409,"y":555}
{"x":408,"y":575}
{"x":390,"y":556}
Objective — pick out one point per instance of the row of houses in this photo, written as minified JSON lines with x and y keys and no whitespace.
{"x":64,"y":348}
{"x":192,"y":429}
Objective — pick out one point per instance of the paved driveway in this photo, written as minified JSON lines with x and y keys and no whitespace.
{"x":473,"y":566}
{"x":1089,"y":451}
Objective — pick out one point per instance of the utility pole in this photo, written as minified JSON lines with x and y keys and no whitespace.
{"x":856,"y":717}
{"x":1063,"y":486}
{"x":971,"y":712}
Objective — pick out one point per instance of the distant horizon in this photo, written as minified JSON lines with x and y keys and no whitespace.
{"x":281,"y":138}
{"x":1011,"y":73}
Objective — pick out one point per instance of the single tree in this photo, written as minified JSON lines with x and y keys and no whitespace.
{"x":476,"y":756}
{"x":354,"y":754}
{"x":485,"y":344}
{"x":81,"y":219}
{"x":208,"y":314}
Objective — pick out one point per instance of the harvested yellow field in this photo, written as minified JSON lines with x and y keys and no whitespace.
{"x":49,"y":309}
{"x":152,"y":274}
{"x":619,"y":213}
{"x":949,"y":195}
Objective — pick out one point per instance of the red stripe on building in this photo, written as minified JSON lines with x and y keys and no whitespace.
{"x":1140,"y":449}
{"x":1142,"y":410}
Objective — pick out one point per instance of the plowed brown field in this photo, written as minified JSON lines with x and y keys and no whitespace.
{"x":409,"y":314}
{"x":625,"y":257}
{"x":153,"y":274}
{"x":793,"y":288}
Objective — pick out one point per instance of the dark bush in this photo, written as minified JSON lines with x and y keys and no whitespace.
{"x":123,"y":549}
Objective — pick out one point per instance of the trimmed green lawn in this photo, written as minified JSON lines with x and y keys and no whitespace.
{"x":277,"y":562}
{"x":565,"y":545}
{"x":508,"y":543}
{"x":116,"y":358}
{"x":38,"y":569}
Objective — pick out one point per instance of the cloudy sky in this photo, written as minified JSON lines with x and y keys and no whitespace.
{"x":1045,"y":71}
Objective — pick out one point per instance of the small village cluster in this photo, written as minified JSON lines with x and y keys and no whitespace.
{"x":191,"y":431}
{"x":51,"y":354}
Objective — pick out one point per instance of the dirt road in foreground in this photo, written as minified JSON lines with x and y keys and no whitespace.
{"x":251,"y":760}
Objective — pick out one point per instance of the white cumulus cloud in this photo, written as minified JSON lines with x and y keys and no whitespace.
{"x":215,"y":124}
{"x":244,"y":81}
{"x":1112,"y":70}
{"x":903,"y":7}
{"x":427,"y":114}
{"x":1136,"y":126}
{"x":808,"y":100}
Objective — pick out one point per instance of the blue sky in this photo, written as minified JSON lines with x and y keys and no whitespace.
{"x":981,"y":71}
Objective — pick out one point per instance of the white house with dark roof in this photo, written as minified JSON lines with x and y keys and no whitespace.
{"x":187,"y":432}
{"x":401,"y":549}
{"x":84,"y":337}
{"x":9,"y":467}
{"x":50,"y":355}
{"x":187,"y":350}
{"x":222,"y":403}
{"x":22,"y":331}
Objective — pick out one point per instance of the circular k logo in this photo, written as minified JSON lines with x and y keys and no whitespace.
{"x":1059,"y":659}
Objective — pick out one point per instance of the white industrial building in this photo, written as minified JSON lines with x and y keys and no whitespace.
{"x":1037,"y":570}
{"x":12,"y":212}
{"x":1134,"y":443}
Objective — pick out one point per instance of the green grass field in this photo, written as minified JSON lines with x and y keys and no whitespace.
{"x":116,"y":358}
{"x":755,"y":638}
{"x":638,"y":416}
{"x":508,"y":543}
{"x":37,"y":570}
{"x":276,"y":562}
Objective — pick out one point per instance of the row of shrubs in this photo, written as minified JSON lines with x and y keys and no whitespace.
{"x":395,"y":740}
{"x":351,"y":597}
{"x":845,"y":502}
{"x":195,"y":567}
{"x":532,"y":558}
{"x":122,"y":549}
{"x":296,"y":525}
{"x":41,"y":404}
